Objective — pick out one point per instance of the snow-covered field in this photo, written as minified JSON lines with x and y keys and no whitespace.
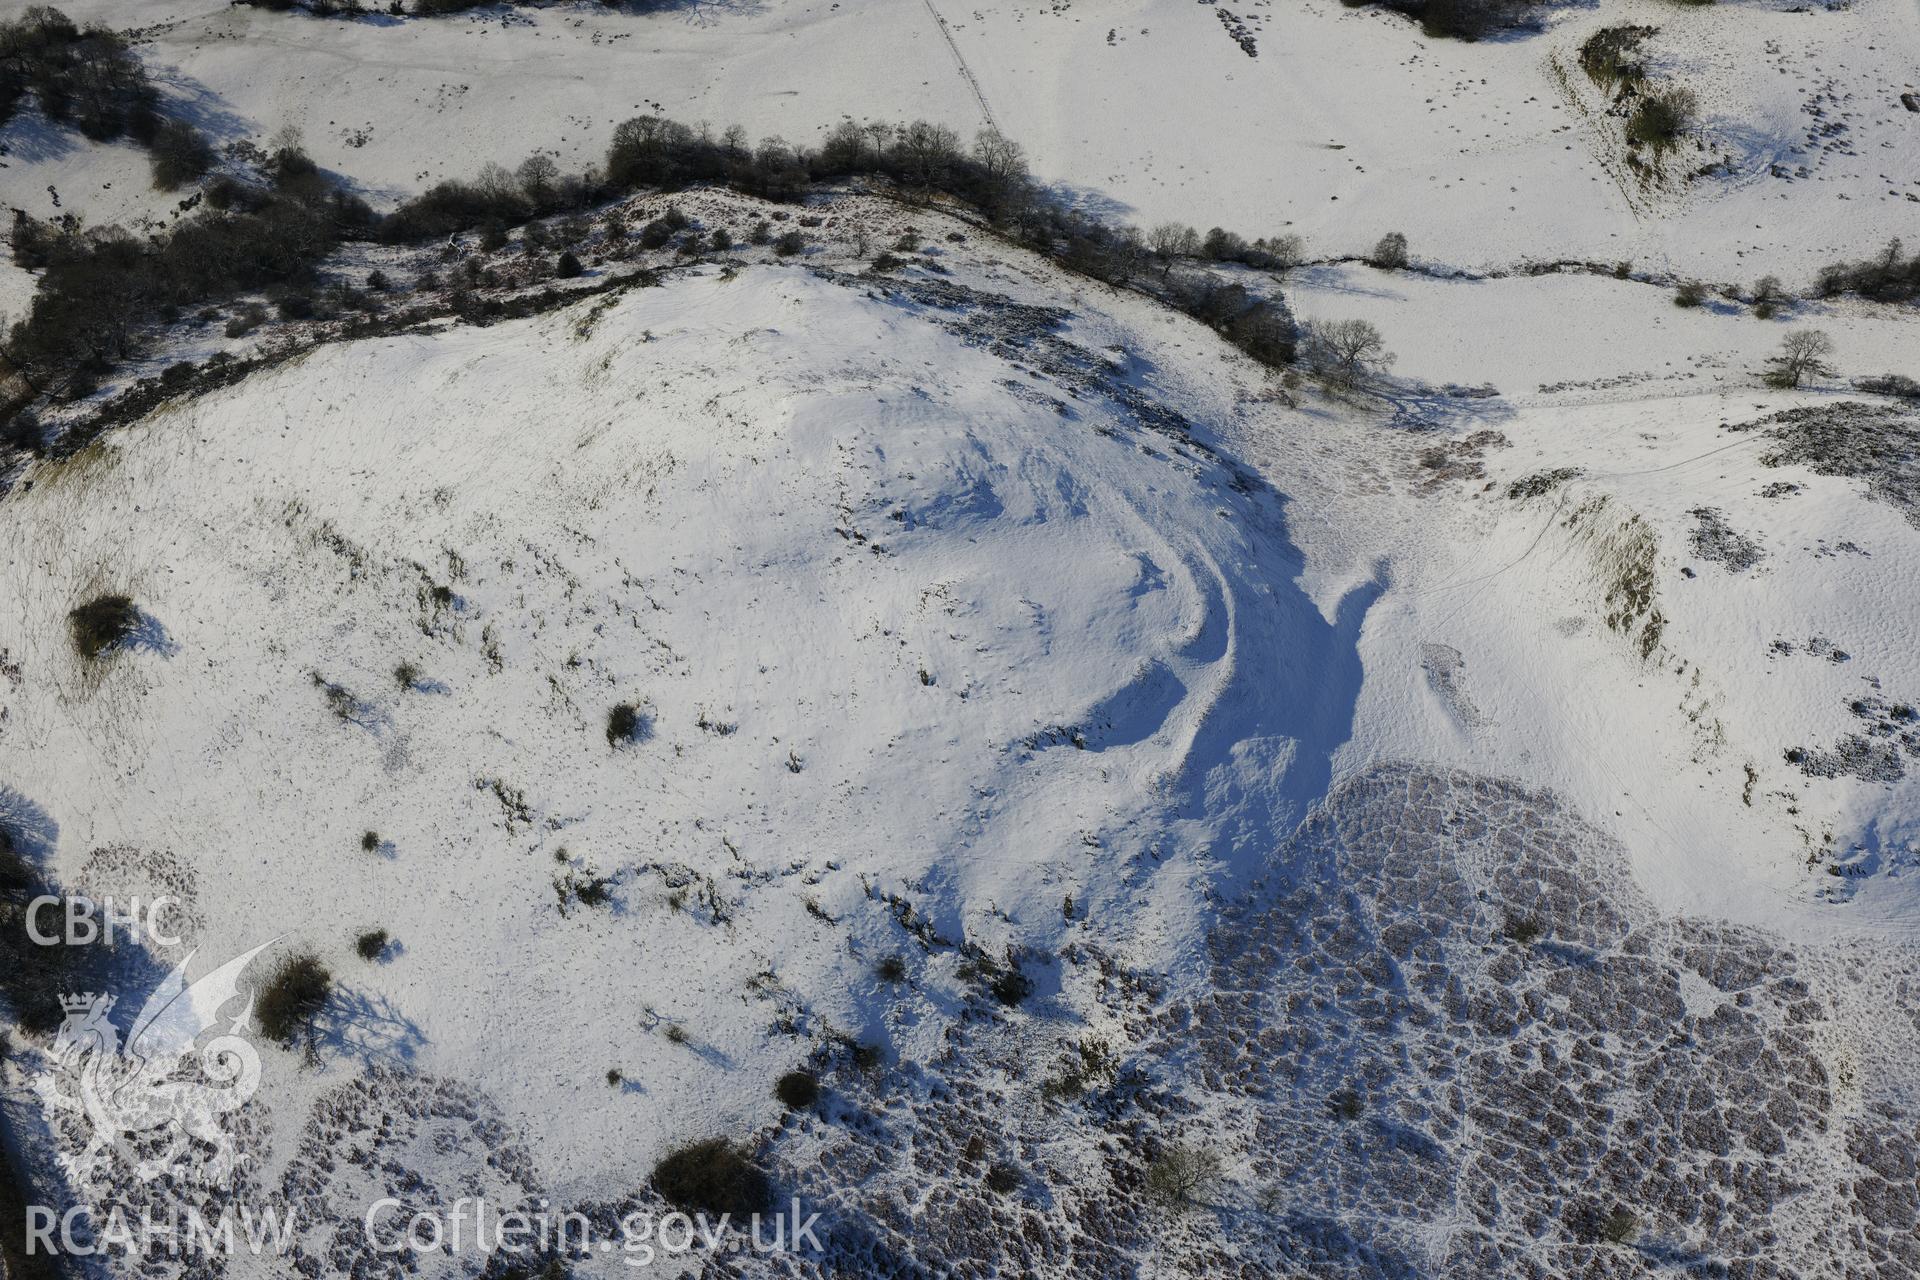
{"x":1347,"y":123}
{"x":1471,"y":809}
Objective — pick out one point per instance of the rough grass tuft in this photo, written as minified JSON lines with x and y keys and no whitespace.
{"x":1012,"y":987}
{"x":625,"y":723}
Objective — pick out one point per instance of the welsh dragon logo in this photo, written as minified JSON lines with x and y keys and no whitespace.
{"x":163,"y":1081}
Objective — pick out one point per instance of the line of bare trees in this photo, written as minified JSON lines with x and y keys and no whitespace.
{"x":100,"y":286}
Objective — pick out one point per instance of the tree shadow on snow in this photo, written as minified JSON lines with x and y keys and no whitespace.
{"x":26,"y":828}
{"x":31,"y":138}
{"x":189,"y":100}
{"x":149,"y":635}
{"x":1086,"y":200}
{"x":1756,"y":147}
{"x":370,"y":1028}
{"x":1418,"y":407}
{"x":1331,"y":277}
{"x":696,"y":11}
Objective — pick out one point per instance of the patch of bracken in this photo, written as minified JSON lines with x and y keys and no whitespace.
{"x":1615,"y":1086}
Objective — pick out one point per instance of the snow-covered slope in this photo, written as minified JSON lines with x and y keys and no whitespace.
{"x":1636,"y":431}
{"x":1478,"y":811}
{"x":998,"y":621}
{"x":919,"y":590}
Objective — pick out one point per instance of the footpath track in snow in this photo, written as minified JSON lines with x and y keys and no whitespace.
{"x":960,"y":61}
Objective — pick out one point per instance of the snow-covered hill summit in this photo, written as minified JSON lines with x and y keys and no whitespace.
{"x":921,"y":676}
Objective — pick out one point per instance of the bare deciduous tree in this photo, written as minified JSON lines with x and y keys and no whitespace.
{"x":1803,"y":355}
{"x":1001,"y":158}
{"x":1390,"y":254}
{"x":496,"y":182}
{"x":1345,"y":353}
{"x":1183,"y":1174}
{"x":1003,"y":166}
{"x":539,"y":176}
{"x":924,"y":153}
{"x":1288,"y":251}
{"x":1172,"y":240}
{"x":180,"y":154}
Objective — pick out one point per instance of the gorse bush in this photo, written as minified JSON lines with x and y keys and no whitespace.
{"x":1470,"y":19}
{"x":1460,"y":19}
{"x":1610,"y":56}
{"x":798,"y":1090}
{"x":1262,"y":327}
{"x":179,"y":155}
{"x":245,"y":320}
{"x":1524,"y":930}
{"x":1898,"y":385}
{"x":1011,"y":987}
{"x":33,"y":975}
{"x":22,"y":432}
{"x":1886,"y":277}
{"x":102,"y":624}
{"x":625,"y":723}
{"x":1661,"y":119}
{"x":713,"y":1176}
{"x":292,"y":997}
